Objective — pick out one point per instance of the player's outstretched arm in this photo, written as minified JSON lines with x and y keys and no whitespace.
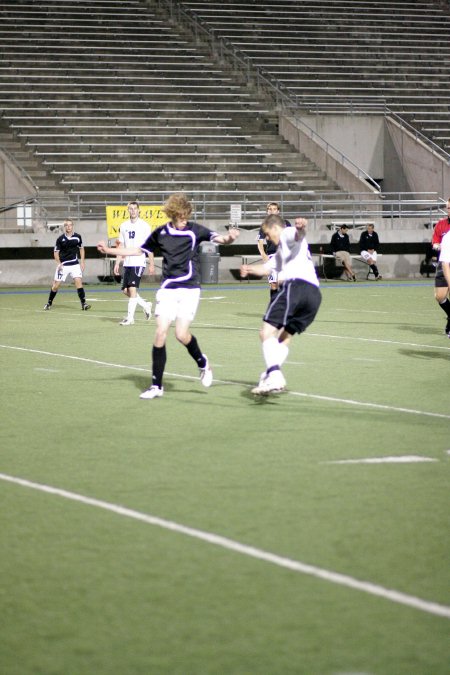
{"x":258,"y":270}
{"x":228,"y":238}
{"x":118,"y":250}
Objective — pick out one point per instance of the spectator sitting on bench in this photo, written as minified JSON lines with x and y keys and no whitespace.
{"x":368,"y":247}
{"x":340,"y":248}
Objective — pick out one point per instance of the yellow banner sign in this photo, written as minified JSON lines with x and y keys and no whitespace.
{"x":116,"y":214}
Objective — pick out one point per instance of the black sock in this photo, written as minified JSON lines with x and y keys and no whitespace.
{"x":51,"y":296}
{"x":374,"y":269}
{"x":159,"y":359}
{"x":446,"y":306}
{"x":81,"y":295}
{"x":194,"y":351}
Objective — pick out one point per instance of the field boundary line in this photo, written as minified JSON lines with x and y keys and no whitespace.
{"x":251,"y":551}
{"x":319,"y":397}
{"x":334,"y":337}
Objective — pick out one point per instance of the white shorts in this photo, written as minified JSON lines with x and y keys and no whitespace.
{"x":61,"y":273}
{"x":365,"y":255}
{"x":177,"y":303}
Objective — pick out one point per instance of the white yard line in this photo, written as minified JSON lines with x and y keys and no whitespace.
{"x":251,"y":551}
{"x":445,"y":347}
{"x":400,"y":459}
{"x":384,"y":342}
{"x":331,"y":399}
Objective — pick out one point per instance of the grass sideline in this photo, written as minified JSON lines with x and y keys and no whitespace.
{"x":87,"y":590}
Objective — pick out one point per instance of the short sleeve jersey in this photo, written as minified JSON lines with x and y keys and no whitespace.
{"x":133,"y":235}
{"x":440,"y":229}
{"x":68,"y":248}
{"x":293,"y":259}
{"x":444,"y":255}
{"x":269,"y":246}
{"x":180,"y":250}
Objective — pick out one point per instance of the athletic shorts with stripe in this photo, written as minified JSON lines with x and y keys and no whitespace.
{"x":132,"y":277}
{"x":294,"y":307}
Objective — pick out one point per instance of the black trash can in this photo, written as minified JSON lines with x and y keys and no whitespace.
{"x":209,"y":263}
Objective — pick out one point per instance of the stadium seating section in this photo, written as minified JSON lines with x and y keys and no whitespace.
{"x":99,"y":97}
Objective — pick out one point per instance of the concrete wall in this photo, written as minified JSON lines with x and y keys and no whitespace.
{"x":12,"y":184}
{"x":40,"y":271}
{"x":423,"y":170}
{"x":359,"y":137}
{"x":379,"y":145}
{"x":334,"y":164}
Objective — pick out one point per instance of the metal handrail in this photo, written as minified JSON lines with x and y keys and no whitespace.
{"x":25,"y":175}
{"x":210,"y":207}
{"x":219,"y":46}
{"x":291,"y":101}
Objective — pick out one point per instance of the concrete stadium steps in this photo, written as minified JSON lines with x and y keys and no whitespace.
{"x":339,"y":53}
{"x":80,"y":79}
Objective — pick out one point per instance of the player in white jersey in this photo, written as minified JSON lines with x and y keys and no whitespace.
{"x":134,"y":232}
{"x":296,"y":304}
{"x":444,"y":259}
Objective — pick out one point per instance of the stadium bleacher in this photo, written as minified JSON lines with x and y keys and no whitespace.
{"x":81,"y":79}
{"x":333,"y":56}
{"x":102,"y":98}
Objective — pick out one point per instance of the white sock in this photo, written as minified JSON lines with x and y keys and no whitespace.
{"x":271,"y":352}
{"x":283,"y":351}
{"x":140,"y":301}
{"x":132,"y":302}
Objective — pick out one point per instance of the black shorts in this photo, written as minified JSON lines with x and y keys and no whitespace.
{"x":294,"y":307}
{"x":132,"y":277}
{"x":439,"y":280}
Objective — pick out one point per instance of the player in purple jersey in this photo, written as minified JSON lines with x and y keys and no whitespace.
{"x":177,"y":299}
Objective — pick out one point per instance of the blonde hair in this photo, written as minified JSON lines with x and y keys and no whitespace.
{"x":177,"y":207}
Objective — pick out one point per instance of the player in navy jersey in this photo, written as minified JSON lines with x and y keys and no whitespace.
{"x":68,"y":247}
{"x":369,"y":245}
{"x":266,"y":247}
{"x":177,"y":299}
{"x":295,"y":305}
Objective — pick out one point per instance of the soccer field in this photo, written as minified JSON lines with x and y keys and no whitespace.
{"x":211,"y":532}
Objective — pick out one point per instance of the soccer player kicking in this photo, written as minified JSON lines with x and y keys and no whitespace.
{"x":296,"y":304}
{"x":178,"y":297}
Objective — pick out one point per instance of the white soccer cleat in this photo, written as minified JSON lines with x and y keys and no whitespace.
{"x":206,"y":374}
{"x":260,"y":386}
{"x":153,"y":392}
{"x":126,"y":322}
{"x":272,"y":383}
{"x":148,"y":311}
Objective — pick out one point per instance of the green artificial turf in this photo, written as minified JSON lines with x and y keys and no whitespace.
{"x":89,"y":590}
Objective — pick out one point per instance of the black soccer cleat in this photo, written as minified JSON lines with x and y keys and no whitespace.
{"x":85,"y":306}
{"x":47,"y":306}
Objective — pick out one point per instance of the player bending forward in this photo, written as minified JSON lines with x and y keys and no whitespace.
{"x":296,"y":304}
